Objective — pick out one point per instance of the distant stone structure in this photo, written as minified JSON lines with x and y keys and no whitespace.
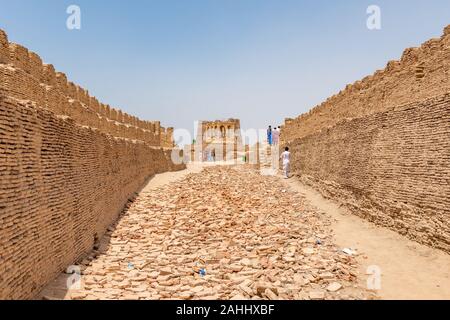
{"x":217,"y":141}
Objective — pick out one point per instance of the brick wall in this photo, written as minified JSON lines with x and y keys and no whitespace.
{"x":421,"y":73}
{"x":68,"y":165}
{"x":24,"y":76}
{"x":381,"y":147}
{"x":391,"y":167}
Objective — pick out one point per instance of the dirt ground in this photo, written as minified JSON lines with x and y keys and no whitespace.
{"x":224,"y":233}
{"x":301,"y":269}
{"x":408,"y":270}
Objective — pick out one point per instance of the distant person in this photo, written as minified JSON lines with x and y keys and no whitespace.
{"x":286,"y":158}
{"x":209,"y":157}
{"x":269,"y":135}
{"x":275,"y":136}
{"x":279,"y":134}
{"x":213,"y":154}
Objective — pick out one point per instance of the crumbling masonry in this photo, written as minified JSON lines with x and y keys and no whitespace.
{"x":381,"y":147}
{"x":222,"y":138}
{"x":68,"y":165}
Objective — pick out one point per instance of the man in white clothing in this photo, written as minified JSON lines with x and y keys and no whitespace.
{"x":286,"y":158}
{"x":275,"y":136}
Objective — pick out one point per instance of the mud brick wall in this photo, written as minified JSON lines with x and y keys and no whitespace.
{"x":61,"y":186}
{"x":381,"y":147}
{"x":68,"y":166}
{"x":166,"y":137}
{"x":421,"y":73}
{"x":24,"y":76}
{"x":392,"y":168}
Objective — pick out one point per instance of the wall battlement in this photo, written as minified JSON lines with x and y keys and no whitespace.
{"x":24,"y":76}
{"x":421,"y":73}
{"x":68,"y":166}
{"x":381,"y":147}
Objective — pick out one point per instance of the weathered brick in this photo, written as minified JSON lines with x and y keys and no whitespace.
{"x":66,"y":171}
{"x":382,"y":146}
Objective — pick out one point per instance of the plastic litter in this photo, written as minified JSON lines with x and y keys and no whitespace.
{"x":349,"y":251}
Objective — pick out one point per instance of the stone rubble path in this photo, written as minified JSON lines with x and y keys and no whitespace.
{"x":224,"y":233}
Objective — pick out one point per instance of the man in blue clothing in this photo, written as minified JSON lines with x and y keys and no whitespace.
{"x":269,"y":135}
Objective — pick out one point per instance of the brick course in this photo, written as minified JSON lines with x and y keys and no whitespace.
{"x":24,"y":76}
{"x":421,"y":73}
{"x":382,"y":146}
{"x":391,"y":168}
{"x":66,"y":170}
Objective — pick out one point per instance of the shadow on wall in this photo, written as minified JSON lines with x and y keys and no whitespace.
{"x":60,"y":288}
{"x":381,"y":146}
{"x":391,"y":168}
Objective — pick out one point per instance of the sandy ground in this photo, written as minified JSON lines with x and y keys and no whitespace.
{"x":222,"y":233}
{"x":169,"y":177}
{"x":408,"y":270}
{"x":57,"y":289}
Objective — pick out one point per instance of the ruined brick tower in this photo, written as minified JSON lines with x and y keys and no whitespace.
{"x":217,"y":140}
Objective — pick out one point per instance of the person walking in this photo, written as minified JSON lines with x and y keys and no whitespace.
{"x":269,"y":135}
{"x":286,"y":158}
{"x":276,"y":136}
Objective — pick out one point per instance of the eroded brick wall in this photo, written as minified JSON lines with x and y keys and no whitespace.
{"x":68,"y":165}
{"x":382,"y":146}
{"x":24,"y":76}
{"x":392,"y":168}
{"x":61,"y":185}
{"x":421,"y":73}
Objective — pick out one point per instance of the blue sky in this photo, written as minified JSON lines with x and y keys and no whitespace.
{"x":184,"y":60}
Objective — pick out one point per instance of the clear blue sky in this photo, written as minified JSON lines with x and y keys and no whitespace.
{"x":183,"y":60}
